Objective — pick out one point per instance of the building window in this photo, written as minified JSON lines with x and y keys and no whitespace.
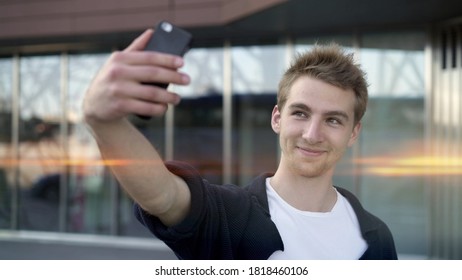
{"x":256,"y":71}
{"x":6,"y":150}
{"x":58,"y":153}
{"x":198,"y":119}
{"x":392,"y":142}
{"x":40,"y":149}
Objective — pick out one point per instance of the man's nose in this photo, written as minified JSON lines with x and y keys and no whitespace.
{"x":313,"y":132}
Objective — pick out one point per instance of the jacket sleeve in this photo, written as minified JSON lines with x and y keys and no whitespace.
{"x":205,"y":232}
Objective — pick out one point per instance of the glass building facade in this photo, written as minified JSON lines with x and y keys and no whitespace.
{"x":52,"y":178}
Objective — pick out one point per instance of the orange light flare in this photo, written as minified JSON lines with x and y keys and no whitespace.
{"x":411,"y":166}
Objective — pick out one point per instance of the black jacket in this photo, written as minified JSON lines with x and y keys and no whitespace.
{"x":230,"y":222}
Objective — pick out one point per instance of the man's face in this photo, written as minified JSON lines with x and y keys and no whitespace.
{"x":315,"y":127}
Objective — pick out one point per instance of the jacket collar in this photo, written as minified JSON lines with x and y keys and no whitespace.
{"x":257,"y":188}
{"x":367,"y":224}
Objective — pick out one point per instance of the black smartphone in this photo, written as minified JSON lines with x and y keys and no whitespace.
{"x":170,"y":39}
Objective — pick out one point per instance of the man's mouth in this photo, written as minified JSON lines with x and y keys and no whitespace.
{"x":311,"y":152}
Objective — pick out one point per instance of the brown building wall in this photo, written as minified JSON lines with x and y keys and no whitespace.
{"x":51,"y":18}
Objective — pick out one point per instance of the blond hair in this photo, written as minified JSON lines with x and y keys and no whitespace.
{"x":328,"y":63}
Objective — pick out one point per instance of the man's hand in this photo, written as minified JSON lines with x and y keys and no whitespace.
{"x":117,"y":89}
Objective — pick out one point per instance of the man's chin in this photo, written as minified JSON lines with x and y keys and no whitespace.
{"x":310,"y":171}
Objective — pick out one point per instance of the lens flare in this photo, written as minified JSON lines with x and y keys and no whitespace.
{"x":411,"y":166}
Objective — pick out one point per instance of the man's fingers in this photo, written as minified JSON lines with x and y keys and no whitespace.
{"x":141,"y":41}
{"x":151,"y":74}
{"x":150,"y":94}
{"x":141,"y":57}
{"x":143,"y":108}
{"x":145,"y":58}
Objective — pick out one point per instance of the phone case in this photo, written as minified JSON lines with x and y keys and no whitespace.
{"x":170,"y":39}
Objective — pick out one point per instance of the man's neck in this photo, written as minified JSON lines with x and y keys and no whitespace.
{"x":314,"y":194}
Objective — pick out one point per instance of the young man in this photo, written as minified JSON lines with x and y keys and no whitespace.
{"x":295,"y":213}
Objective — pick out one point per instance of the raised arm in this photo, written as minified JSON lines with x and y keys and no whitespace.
{"x":116,"y":92}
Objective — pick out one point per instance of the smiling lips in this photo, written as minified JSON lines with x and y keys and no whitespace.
{"x":310,"y":151}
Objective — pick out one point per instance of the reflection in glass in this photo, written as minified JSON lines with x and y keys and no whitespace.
{"x":205,"y":67}
{"x":257,"y":69}
{"x":394,"y":73}
{"x":39,"y":145}
{"x":256,"y":74}
{"x":6,"y":78}
{"x":393,"y":127}
{"x":198,"y":119}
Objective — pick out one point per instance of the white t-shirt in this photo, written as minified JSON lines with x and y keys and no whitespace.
{"x":314,"y":235}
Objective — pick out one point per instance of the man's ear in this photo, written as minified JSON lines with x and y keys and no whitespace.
{"x":276,"y":119}
{"x":355,"y":134}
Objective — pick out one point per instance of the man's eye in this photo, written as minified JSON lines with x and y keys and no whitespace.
{"x":334,"y":121}
{"x":299,"y":114}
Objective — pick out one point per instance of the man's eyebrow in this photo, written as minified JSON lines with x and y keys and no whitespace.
{"x":306,"y":108}
{"x":300,"y":106}
{"x":337,"y":114}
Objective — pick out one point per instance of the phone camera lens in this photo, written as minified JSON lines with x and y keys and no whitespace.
{"x":167,"y":27}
